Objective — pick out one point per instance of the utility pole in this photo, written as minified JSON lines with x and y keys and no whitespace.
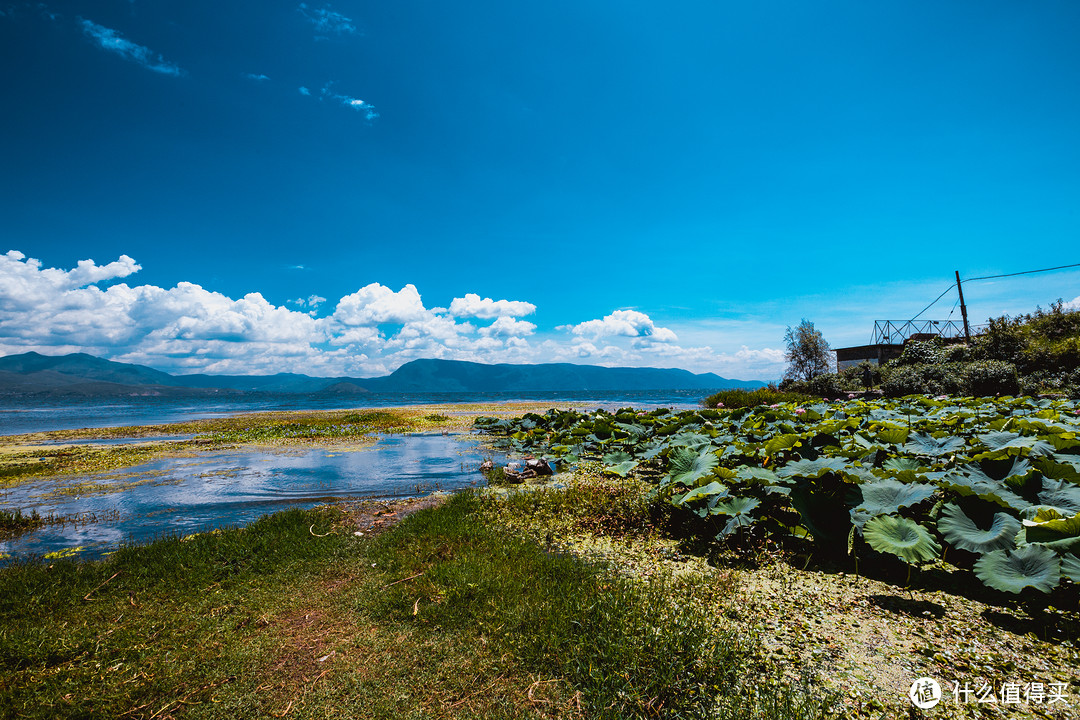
{"x":963,"y":308}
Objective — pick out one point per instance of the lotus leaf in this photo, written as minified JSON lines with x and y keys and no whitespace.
{"x":998,"y":442}
{"x":899,"y":464}
{"x":634,"y":430}
{"x":892,"y":435}
{"x":812,"y":468}
{"x":887,"y":496}
{"x":1002,"y":469}
{"x":619,"y":463}
{"x":1058,"y":470}
{"x":859,"y":474}
{"x":920,"y":444}
{"x":1013,"y":570}
{"x":736,"y":506}
{"x":738,"y":509}
{"x":1062,"y":494}
{"x":713,"y":488}
{"x":1052,"y":529}
{"x":960,"y":531}
{"x":688,"y":466}
{"x":1070,"y":567}
{"x":782,"y":442}
{"x":753,"y":474}
{"x":901,"y":537}
{"x":694,"y":441}
{"x":975,"y":482}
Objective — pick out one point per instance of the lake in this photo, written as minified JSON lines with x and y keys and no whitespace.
{"x":26,"y":414}
{"x":183,"y":495}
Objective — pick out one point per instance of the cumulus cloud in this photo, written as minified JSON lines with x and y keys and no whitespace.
{"x":508,"y":327}
{"x":327,"y":21}
{"x":187,"y":328}
{"x":375,"y":304}
{"x":1073,"y":304}
{"x":304,"y":91}
{"x":472,"y":305}
{"x":257,"y":77}
{"x":624,"y":323}
{"x":111,"y":41}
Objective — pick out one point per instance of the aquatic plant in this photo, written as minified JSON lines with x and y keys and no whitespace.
{"x":905,"y":478}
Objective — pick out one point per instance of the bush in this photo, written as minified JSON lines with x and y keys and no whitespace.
{"x":989,"y":377}
{"x":732,"y":399}
{"x":921,"y":378}
{"x":921,"y":352}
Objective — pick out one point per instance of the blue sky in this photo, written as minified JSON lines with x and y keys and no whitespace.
{"x":340,"y":188}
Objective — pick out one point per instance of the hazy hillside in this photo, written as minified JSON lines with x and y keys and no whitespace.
{"x":81,"y":374}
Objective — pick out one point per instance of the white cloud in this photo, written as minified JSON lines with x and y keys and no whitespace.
{"x":376,"y":304}
{"x":326,"y":20}
{"x":1073,"y":304}
{"x":353,"y":103}
{"x":188,"y":328}
{"x":111,"y":41}
{"x":256,"y":77}
{"x":624,"y":323}
{"x":508,"y":327}
{"x":472,"y":305}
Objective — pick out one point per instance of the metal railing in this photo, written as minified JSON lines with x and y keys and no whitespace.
{"x":896,"y":332}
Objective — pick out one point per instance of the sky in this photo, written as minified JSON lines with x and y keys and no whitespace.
{"x":339,"y":188}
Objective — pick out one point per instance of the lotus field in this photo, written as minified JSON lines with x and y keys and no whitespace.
{"x":988,"y":484}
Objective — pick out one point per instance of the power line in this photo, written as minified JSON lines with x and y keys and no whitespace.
{"x":932,"y":304}
{"x":953,"y":308}
{"x":987,"y":277}
{"x":1025,"y":272}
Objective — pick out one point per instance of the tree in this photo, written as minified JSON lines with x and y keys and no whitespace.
{"x":808,"y":354}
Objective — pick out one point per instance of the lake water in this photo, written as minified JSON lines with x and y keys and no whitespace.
{"x":184,"y":495}
{"x":189,"y":494}
{"x":27,"y":414}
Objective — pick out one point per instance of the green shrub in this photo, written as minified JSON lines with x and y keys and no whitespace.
{"x":732,"y":399}
{"x":835,"y":385}
{"x":921,"y":352}
{"x":922,"y":378}
{"x":1042,"y":342}
{"x":989,"y":377}
{"x":986,"y":377}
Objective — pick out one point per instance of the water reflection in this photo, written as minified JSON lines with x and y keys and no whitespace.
{"x":190,"y":494}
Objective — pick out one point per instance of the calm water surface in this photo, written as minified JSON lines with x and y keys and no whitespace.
{"x":30,"y":414}
{"x":191,"y":494}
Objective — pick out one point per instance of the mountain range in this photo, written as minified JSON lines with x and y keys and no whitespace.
{"x":82,"y":374}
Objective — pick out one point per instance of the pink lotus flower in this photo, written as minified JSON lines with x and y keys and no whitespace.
{"x":800,"y":411}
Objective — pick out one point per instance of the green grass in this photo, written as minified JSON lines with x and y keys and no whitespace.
{"x":328,"y":426}
{"x":629,"y":649}
{"x":445,"y":615}
{"x":732,"y":399}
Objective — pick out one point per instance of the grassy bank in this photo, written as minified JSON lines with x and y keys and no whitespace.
{"x":446,"y":615}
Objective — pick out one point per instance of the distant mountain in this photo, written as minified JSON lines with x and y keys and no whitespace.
{"x":458,"y":376}
{"x":85,"y":375}
{"x":85,"y":367}
{"x":81,"y":374}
